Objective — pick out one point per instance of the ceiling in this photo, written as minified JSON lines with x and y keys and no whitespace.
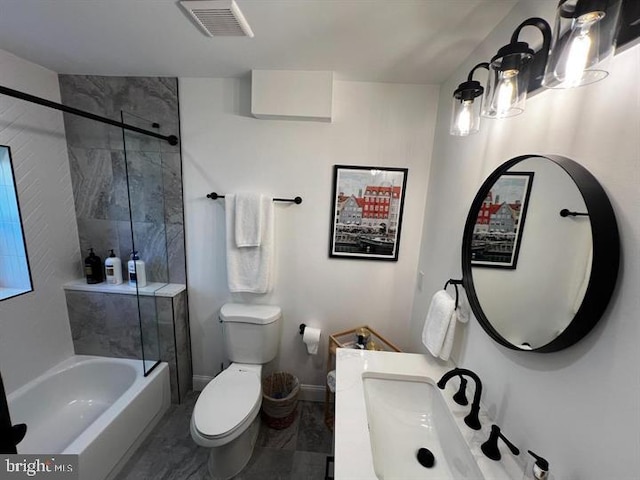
{"x":409,"y":41}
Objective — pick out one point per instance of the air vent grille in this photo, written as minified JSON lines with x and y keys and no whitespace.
{"x":218,"y":18}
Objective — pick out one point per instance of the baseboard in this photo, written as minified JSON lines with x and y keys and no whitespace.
{"x":312,"y":393}
{"x":200,"y":381}
{"x":309,"y":393}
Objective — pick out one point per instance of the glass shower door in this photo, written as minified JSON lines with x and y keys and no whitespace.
{"x":148,"y":261}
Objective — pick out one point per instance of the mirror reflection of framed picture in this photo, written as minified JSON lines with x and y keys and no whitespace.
{"x":497,"y":234}
{"x":629,"y":29}
{"x":367,"y":212}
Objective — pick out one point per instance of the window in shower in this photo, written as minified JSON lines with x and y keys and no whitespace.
{"x":15,"y":277}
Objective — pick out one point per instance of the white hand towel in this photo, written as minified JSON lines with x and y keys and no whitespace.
{"x":249,"y":269}
{"x":439,"y":317}
{"x":250,"y":211}
{"x":464,"y":310}
{"x":447,"y":344}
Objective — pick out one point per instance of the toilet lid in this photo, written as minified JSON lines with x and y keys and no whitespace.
{"x":226,"y":401}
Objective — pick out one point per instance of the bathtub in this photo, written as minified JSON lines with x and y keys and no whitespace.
{"x":98,"y":408}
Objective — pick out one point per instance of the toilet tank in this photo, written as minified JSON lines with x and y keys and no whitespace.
{"x":251,"y":332}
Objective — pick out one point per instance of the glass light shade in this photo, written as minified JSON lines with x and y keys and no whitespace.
{"x":465,"y":114}
{"x":583,"y":43}
{"x":465,"y":118}
{"x":506,"y":90}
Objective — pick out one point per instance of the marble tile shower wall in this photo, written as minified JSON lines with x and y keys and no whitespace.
{"x":99,"y":174}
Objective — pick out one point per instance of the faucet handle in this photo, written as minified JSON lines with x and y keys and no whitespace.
{"x":490,"y":447}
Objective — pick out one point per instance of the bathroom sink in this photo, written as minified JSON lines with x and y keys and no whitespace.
{"x":406,"y":414}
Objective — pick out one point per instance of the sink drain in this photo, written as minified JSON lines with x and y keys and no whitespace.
{"x":426,"y":458}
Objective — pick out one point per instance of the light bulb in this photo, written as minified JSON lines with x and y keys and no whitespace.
{"x":577,"y":60}
{"x":580,"y":48}
{"x":507,"y":93}
{"x":465,"y":118}
{"x":590,"y":18}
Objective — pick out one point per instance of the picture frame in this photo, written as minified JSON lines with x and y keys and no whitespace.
{"x":629,"y":28}
{"x":367,"y":209}
{"x":497,"y":234}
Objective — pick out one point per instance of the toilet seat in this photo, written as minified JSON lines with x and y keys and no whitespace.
{"x":227,"y":405}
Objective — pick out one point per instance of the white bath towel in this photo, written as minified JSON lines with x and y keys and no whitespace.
{"x":249,"y":269}
{"x":250,"y":211}
{"x":440,"y":317}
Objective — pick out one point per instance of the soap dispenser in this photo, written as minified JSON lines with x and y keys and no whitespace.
{"x":93,"y":268}
{"x":137,"y":274}
{"x":539,"y":470}
{"x":113,"y":269}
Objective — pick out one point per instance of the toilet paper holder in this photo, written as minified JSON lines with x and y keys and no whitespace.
{"x":302,"y":326}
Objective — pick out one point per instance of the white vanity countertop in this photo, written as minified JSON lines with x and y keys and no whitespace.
{"x":353,"y":459}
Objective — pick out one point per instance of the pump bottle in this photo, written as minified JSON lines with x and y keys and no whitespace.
{"x":113,"y":269}
{"x":93,"y":268}
{"x":136,"y":268}
{"x":538,"y":469}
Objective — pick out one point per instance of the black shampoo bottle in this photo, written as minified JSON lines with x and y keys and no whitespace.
{"x":93,"y":268}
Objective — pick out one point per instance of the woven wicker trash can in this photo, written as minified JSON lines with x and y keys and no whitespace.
{"x":279,"y":399}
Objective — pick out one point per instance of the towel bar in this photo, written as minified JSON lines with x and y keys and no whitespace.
{"x":297,"y":200}
{"x":455,"y":283}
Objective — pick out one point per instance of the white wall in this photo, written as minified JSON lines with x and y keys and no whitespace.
{"x":577,"y":407}
{"x":225,"y":150}
{"x":34,"y":328}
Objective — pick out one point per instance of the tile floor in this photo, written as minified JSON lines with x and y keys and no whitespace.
{"x":296,"y":453}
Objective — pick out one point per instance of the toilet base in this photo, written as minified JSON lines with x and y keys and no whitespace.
{"x":226,"y":461}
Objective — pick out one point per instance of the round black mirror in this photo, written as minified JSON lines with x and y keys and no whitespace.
{"x":540,"y":253}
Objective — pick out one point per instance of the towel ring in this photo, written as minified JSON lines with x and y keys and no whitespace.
{"x":455,"y":283}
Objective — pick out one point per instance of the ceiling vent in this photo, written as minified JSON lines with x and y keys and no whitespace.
{"x":218,"y":18}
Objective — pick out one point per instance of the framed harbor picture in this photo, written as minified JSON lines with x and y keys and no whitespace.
{"x":497,"y":234}
{"x":367,"y":211}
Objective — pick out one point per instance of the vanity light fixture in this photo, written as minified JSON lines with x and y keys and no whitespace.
{"x":515,"y":70}
{"x":584,"y":41}
{"x":465,"y":117}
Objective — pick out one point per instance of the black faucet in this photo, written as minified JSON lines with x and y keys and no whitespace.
{"x":472,"y":419}
{"x":490,"y":447}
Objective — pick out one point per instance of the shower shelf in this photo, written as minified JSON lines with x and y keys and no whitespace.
{"x":152,"y":289}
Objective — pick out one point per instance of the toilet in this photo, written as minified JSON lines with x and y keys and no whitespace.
{"x":225,"y":418}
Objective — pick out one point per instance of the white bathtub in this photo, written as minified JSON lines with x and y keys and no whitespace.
{"x":95,"y":407}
